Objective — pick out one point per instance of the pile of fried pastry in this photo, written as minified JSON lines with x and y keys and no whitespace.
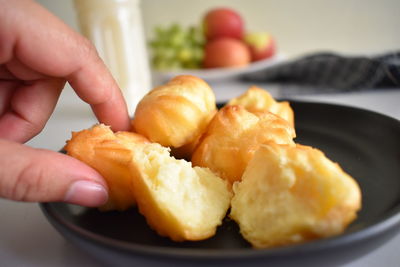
{"x":186,"y":164}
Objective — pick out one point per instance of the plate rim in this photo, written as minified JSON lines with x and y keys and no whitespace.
{"x":390,"y":220}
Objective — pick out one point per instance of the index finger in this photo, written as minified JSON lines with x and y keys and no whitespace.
{"x":94,"y":84}
{"x":44,"y":44}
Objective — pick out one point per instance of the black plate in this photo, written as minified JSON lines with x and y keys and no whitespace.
{"x":366,"y":144}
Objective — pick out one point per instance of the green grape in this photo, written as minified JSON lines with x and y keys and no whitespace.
{"x":175,"y":65}
{"x":165,"y":52}
{"x":196,"y":35}
{"x":198,"y":53}
{"x":185,"y":54}
{"x":177,"y":47}
{"x":177,"y":40}
{"x":192,"y":65}
{"x":175,"y":28}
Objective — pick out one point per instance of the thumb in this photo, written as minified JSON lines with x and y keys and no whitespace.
{"x":37,"y":175}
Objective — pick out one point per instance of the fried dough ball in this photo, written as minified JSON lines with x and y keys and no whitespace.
{"x":178,"y":201}
{"x":234,"y":135}
{"x":292,"y":194}
{"x":177,"y":113}
{"x":256,"y":99}
{"x":186,"y":151}
{"x":109,"y":154}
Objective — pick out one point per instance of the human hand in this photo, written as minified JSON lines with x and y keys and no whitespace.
{"x":38,"y":55}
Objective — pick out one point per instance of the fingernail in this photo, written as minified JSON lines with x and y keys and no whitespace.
{"x":86,"y":193}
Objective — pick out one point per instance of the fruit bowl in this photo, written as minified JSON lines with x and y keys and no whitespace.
{"x":218,"y":74}
{"x":218,"y":48}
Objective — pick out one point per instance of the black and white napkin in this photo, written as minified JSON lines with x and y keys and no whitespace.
{"x":335,"y":72}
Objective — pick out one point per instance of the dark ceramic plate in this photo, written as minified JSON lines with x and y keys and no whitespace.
{"x":364,"y":143}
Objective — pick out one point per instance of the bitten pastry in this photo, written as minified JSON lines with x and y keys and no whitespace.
{"x":178,"y":201}
{"x":256,"y":99}
{"x":234,"y":135}
{"x":292,"y":194}
{"x":110,"y":155}
{"x":177,"y":113}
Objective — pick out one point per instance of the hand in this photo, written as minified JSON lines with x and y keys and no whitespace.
{"x":38,"y":55}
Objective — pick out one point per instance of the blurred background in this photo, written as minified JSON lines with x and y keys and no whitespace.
{"x":348,"y":28}
{"x":345,"y":26}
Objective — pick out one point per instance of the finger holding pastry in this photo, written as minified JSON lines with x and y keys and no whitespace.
{"x":38,"y":54}
{"x":110,"y":155}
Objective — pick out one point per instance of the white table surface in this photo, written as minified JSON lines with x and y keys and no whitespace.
{"x":27,"y":238}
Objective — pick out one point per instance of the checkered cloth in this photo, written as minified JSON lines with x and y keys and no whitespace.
{"x":328,"y":70}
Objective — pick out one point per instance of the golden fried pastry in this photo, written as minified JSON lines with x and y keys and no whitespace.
{"x":177,"y":113}
{"x":110,"y":155}
{"x":292,"y":194}
{"x":256,"y":99}
{"x":186,"y":151}
{"x":234,"y":135}
{"x":178,"y":201}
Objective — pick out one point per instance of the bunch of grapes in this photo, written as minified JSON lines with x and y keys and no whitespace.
{"x":175,"y":47}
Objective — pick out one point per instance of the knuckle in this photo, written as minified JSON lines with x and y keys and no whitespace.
{"x":36,"y":128}
{"x":32,"y":128}
{"x":27,"y":184}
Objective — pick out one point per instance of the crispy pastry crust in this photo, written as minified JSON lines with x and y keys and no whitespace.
{"x":178,"y":201}
{"x":256,"y":99}
{"x":110,"y":155}
{"x":234,"y":135}
{"x":177,"y":113}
